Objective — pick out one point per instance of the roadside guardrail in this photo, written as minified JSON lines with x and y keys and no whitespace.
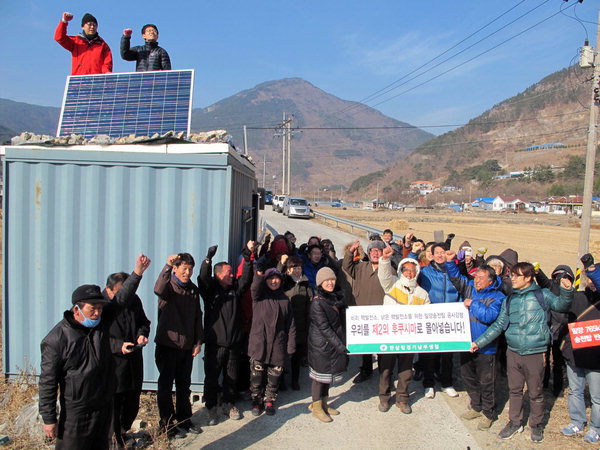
{"x":353,"y":224}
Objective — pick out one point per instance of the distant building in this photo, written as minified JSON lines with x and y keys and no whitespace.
{"x":484,"y":203}
{"x":503,"y":203}
{"x":573,"y":204}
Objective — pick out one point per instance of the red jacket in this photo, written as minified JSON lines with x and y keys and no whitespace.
{"x":89,"y":57}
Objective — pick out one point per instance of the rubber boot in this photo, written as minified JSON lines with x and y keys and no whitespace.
{"x":328,"y":409}
{"x":317,"y":411}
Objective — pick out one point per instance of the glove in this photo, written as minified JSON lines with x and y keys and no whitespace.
{"x":212,"y":251}
{"x":461,"y":255}
{"x":246,"y":253}
{"x":587,"y":260}
{"x":450,"y":236}
{"x":127,"y":32}
{"x":481,"y":251}
{"x":303,"y":248}
{"x":67,"y":17}
{"x":262,"y":265}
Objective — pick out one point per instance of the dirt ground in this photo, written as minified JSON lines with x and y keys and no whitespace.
{"x":548,"y":239}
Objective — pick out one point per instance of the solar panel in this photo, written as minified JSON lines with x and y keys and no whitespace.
{"x":120,"y":104}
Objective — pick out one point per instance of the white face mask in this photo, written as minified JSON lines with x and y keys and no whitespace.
{"x":409,"y":284}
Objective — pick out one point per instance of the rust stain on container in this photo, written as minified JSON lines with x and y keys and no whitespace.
{"x":38,"y":193}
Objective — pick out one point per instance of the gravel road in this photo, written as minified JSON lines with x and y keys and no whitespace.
{"x":432,"y":425}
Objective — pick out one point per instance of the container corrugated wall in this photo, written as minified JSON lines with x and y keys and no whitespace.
{"x":73,"y":217}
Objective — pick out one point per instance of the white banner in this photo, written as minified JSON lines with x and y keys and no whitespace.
{"x":438,"y":327}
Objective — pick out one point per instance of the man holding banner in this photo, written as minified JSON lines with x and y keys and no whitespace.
{"x":483,"y":299}
{"x":524,"y":320}
{"x":582,"y":355}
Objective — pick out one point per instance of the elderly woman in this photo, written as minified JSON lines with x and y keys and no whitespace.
{"x":327,"y":353}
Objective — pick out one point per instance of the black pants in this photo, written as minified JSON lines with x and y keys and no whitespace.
{"x":219,"y":360}
{"x":558,"y":364}
{"x":126,"y":407}
{"x":296,"y":360}
{"x":173,"y":365}
{"x":367,"y":364}
{"x":478,"y":372}
{"x":387,"y":362}
{"x":261,"y":389}
{"x":437,"y":362}
{"x":87,"y":430}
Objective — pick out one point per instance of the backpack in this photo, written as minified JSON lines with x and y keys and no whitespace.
{"x":539,"y":296}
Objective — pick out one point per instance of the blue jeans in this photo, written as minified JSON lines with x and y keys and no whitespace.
{"x":577,"y":379}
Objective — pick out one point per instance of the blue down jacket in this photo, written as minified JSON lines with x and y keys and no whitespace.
{"x":485,"y":306}
{"x":434,"y":279}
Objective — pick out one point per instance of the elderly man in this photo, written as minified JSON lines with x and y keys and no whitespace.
{"x":524,"y":320}
{"x":91,"y":55}
{"x":399,"y":290}
{"x":77,"y":358}
{"x":436,"y":281}
{"x":367,"y":288}
{"x":483,"y":298}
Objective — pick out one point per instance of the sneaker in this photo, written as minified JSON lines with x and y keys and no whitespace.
{"x":404,"y":407}
{"x":510,"y":430}
{"x":484,"y":424}
{"x":176,"y":433}
{"x":257,"y":408}
{"x":537,"y":433}
{"x":234,"y":413}
{"x":429,"y":392}
{"x":384,"y":406}
{"x":592,"y":436}
{"x":470,"y":415}
{"x":362,"y":376}
{"x":571,"y":430}
{"x":213,"y":416}
{"x":269,"y":409}
{"x":450,"y":392}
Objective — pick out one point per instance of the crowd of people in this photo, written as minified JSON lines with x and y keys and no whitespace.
{"x":92,"y":55}
{"x":281,"y":307}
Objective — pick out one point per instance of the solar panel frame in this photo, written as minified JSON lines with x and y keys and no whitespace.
{"x":124,"y":103}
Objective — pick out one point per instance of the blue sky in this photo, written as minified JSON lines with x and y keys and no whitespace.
{"x":350,"y":49}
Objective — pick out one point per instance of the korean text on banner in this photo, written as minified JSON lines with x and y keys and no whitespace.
{"x":440,"y":327}
{"x":585,"y":334}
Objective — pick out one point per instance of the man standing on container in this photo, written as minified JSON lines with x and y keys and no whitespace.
{"x":77,"y":358}
{"x":148,"y":56}
{"x":179,"y":338}
{"x":91,"y":55}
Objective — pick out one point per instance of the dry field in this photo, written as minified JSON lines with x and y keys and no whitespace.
{"x":548,"y":239}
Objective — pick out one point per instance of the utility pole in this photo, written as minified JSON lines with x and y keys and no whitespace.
{"x":288,"y":140}
{"x":246,"y":145}
{"x":592,"y":142}
{"x":284,"y":130}
{"x":283,"y":148}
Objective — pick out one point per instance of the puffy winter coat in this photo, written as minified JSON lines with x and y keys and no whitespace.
{"x":528,"y":331}
{"x":367,"y":288}
{"x":89,"y":56}
{"x":485,"y":305}
{"x":147,"y":57}
{"x":327,"y":352}
{"x":273,"y":332}
{"x":398,"y":289}
{"x":299,"y":292}
{"x":434,"y":279}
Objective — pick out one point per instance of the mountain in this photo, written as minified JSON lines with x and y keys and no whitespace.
{"x":545,"y":125}
{"x":326,"y":156}
{"x":19,"y":117}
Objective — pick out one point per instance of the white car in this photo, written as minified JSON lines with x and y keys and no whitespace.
{"x":296,"y":207}
{"x":278,"y":202}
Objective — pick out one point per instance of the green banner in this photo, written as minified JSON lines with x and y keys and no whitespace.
{"x":410,"y":348}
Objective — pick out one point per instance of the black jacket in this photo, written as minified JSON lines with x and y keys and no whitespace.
{"x":273,"y":333}
{"x":147,"y":57}
{"x":222,"y":308}
{"x":327,"y":352}
{"x":129,"y":323}
{"x":299,"y":294}
{"x":79,"y":361}
{"x":589,"y":357}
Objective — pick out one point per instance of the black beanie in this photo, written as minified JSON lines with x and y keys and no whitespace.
{"x":87,"y":293}
{"x":149,"y":25}
{"x":87,"y":17}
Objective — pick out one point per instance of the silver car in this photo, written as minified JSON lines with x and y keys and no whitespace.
{"x":296,"y":207}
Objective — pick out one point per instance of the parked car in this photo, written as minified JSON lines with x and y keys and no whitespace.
{"x":296,"y":207}
{"x":268,"y":197}
{"x":278,"y":203}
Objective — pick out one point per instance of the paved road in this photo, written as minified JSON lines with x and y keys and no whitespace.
{"x":433,"y":425}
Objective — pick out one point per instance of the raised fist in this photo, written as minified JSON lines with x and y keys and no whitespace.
{"x":127,"y":32}
{"x":587,"y":260}
{"x":212,"y":251}
{"x":67,"y":17}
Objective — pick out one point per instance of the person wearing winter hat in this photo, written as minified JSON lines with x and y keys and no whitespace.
{"x":272,"y":338}
{"x":327,"y":353}
{"x":77,"y":353}
{"x":148,"y":56}
{"x":90,"y":54}
{"x":368,"y":290}
{"x":399,"y":290}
